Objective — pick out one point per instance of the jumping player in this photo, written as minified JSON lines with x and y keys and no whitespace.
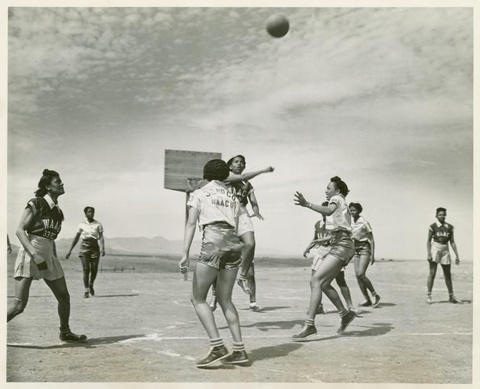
{"x":364,"y":254}
{"x":244,"y":192}
{"x":216,"y":210}
{"x":39,"y":226}
{"x":441,"y":233}
{"x":339,"y":224}
{"x":317,"y":250}
{"x":239,"y":184}
{"x":91,"y":232}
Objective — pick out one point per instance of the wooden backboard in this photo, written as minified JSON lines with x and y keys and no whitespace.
{"x":182,"y":165}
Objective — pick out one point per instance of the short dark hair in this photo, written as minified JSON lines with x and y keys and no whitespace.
{"x":230,"y":161}
{"x":216,"y":169}
{"x":357,"y":206}
{"x":87,"y":208}
{"x":440,"y":209}
{"x":45,"y":180}
{"x":340,"y":185}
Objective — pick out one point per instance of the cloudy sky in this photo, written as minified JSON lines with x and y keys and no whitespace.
{"x":382,"y":97}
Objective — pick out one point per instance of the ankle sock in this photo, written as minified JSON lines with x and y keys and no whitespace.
{"x":238,"y":346}
{"x":216,"y":342}
{"x":310,"y":322}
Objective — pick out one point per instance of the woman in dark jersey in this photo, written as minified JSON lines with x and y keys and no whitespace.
{"x":39,"y":226}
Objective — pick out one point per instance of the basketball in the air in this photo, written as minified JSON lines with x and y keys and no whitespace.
{"x":277,"y":25}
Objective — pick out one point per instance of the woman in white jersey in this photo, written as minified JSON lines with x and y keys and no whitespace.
{"x":318,"y":248}
{"x":364,"y":254}
{"x":91,"y":232}
{"x":340,"y":254}
{"x":216,"y":210}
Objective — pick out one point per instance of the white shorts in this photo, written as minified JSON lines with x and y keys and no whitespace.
{"x":25,"y":267}
{"x":441,"y":254}
{"x":317,"y":254}
{"x":244,"y":222}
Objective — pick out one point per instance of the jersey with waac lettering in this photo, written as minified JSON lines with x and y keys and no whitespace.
{"x":241,"y":190}
{"x":215,"y":203}
{"x":47,"y":218}
{"x":441,"y":233}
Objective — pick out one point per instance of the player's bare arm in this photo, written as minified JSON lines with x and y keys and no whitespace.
{"x":75,"y":241}
{"x":429,"y":245}
{"x":249,"y":175}
{"x":324,"y":210}
{"x":193,"y":214}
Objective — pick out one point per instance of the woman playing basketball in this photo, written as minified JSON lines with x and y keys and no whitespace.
{"x":317,"y":250}
{"x":91,"y":232}
{"x":364,"y":254}
{"x":39,"y":226}
{"x":340,"y":254}
{"x":216,"y":210}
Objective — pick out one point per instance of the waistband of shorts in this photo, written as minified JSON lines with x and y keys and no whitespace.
{"x":221,"y":224}
{"x":341,"y":233}
{"x":39,"y":238}
{"x":440,"y":244}
{"x":361,"y":242}
{"x":90,"y":239}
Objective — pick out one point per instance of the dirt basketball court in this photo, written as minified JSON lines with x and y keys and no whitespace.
{"x":142,"y":328}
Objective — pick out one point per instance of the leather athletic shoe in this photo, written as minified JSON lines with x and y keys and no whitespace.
{"x":215,"y":354}
{"x":346,"y":320}
{"x":236,"y":357}
{"x":305,"y":333}
{"x":71,"y":337}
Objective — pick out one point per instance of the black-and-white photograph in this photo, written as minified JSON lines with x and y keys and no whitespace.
{"x":231,"y":193}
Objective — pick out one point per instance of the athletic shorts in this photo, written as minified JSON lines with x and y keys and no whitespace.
{"x":317,"y":254}
{"x":245,"y":223}
{"x":221,"y":247}
{"x":441,"y":254}
{"x":89,"y":247}
{"x":362,"y":248}
{"x":25,"y":267}
{"x":342,"y":246}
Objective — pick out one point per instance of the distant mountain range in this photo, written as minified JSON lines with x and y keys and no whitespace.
{"x":151,"y":246}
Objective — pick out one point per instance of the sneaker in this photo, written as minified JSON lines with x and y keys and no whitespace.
{"x":366,"y":303}
{"x":71,"y":337}
{"x":346,"y":320}
{"x":305,"y":332}
{"x":213,"y":303}
{"x":86,"y":295}
{"x":320,"y":310}
{"x":429,"y":299}
{"x":454,"y":300}
{"x":376,"y":303}
{"x":242,"y":282}
{"x":236,"y":357}
{"x":92,"y":291}
{"x":255,"y":308}
{"x":215,"y":354}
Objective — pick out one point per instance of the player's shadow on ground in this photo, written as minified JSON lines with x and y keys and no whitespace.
{"x":116,"y":295}
{"x":90,"y":343}
{"x":268,"y":309}
{"x":276,"y":325}
{"x":379,"y":329}
{"x":448,"y":302}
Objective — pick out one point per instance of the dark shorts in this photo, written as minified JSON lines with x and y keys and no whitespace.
{"x":221,"y":247}
{"x":342,"y":246}
{"x":89,"y":248}
{"x":362,"y":248}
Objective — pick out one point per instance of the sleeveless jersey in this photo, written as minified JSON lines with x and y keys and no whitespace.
{"x":441,"y":233}
{"x":46,"y":221}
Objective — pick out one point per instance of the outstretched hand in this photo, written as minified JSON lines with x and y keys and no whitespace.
{"x":299,"y":199}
